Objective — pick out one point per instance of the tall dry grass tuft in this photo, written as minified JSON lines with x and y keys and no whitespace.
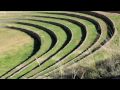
{"x":105,"y":69}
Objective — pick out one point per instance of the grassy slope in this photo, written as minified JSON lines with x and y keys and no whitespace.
{"x":46,"y":42}
{"x":58,"y":31}
{"x":90,"y":37}
{"x":99,"y":55}
{"x":113,"y":44}
{"x":95,"y":45}
{"x":15,"y":49}
{"x":70,"y":46}
{"x":108,"y":51}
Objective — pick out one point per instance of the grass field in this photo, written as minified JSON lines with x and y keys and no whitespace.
{"x":59,"y":44}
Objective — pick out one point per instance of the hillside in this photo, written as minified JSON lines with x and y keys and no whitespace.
{"x":59,"y":44}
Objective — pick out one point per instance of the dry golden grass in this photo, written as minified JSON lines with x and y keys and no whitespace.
{"x":11,"y":14}
{"x":12,"y":39}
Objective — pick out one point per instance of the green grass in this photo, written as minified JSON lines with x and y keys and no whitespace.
{"x":103,"y":36}
{"x":101,"y":54}
{"x":12,"y":50}
{"x":44,"y":46}
{"x":46,"y":39}
{"x":76,"y":31}
{"x":89,"y":39}
{"x":23,"y":48}
{"x":60,"y":42}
